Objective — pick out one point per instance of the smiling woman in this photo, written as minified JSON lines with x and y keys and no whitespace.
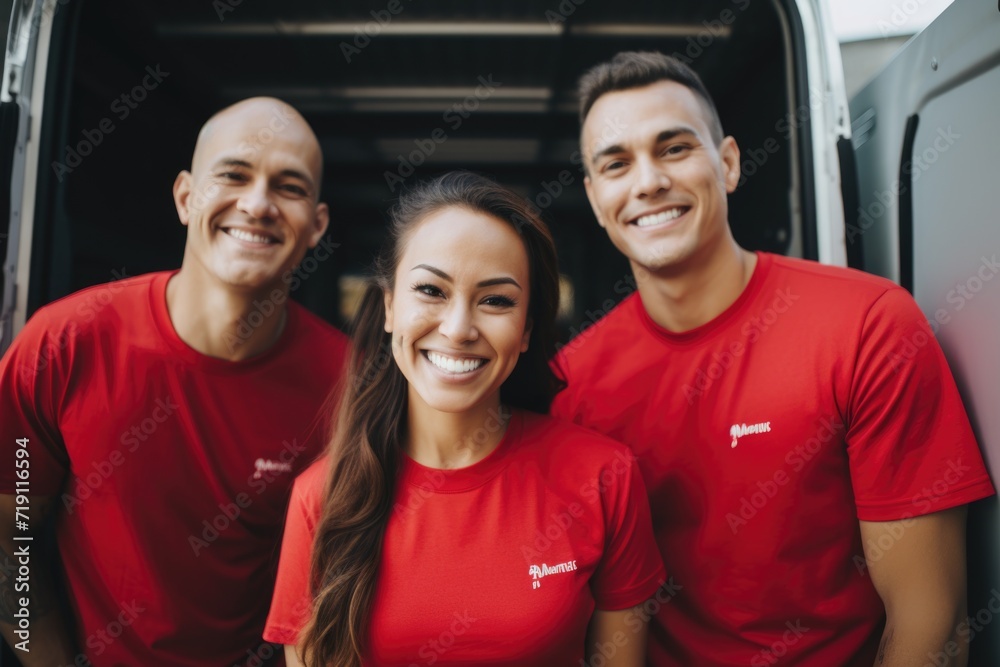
{"x":446,"y":495}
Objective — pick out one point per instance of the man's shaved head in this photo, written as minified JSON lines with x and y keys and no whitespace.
{"x":258,"y":121}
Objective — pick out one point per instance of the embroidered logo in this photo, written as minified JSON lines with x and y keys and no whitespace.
{"x":536,"y":572}
{"x":262,"y":466}
{"x":737,"y":431}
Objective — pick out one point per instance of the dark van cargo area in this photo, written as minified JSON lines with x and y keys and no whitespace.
{"x":397,"y":92}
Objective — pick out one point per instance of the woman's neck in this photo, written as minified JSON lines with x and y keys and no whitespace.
{"x":454,"y":440}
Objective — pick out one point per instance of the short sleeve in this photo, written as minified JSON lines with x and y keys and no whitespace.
{"x":33,"y":374}
{"x":291,"y":604}
{"x":631,"y":569}
{"x":562,"y":404}
{"x":909,"y":441}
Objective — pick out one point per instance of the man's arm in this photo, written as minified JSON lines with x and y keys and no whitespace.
{"x":292,"y":657}
{"x":49,"y":641}
{"x":619,"y":637}
{"x":921,"y":580}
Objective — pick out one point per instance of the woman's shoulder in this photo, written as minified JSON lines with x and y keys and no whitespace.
{"x":308,"y":485}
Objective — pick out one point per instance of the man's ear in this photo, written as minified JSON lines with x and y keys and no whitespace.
{"x":182,"y":196}
{"x":590,"y":197}
{"x":526,"y":337}
{"x":729,"y":155}
{"x":387,"y":300}
{"x":320,"y":224}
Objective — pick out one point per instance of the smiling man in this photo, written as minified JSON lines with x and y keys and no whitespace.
{"x":807,"y":477}
{"x":163,"y":433}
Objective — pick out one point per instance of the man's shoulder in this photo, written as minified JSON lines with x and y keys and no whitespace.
{"x":314,"y":326}
{"x":97,"y":305}
{"x":833,"y":280}
{"x":614,"y":327}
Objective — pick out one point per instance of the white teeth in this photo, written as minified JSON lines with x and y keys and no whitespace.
{"x":453,"y":365}
{"x":647,"y":220}
{"x":247,"y":236}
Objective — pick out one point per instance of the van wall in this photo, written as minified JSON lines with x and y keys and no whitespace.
{"x":927,"y":146}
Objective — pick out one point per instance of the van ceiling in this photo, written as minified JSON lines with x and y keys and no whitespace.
{"x":370,"y":97}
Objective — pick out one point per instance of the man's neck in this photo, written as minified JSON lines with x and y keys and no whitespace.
{"x":220,"y":322}
{"x":683,"y":300}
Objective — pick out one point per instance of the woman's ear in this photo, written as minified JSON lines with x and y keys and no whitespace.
{"x":526,"y":336}
{"x":387,"y":296}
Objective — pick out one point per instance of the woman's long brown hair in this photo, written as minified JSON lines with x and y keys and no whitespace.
{"x":366,"y":447}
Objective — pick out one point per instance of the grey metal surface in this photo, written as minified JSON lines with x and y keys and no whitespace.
{"x":957,"y":283}
{"x":949,"y":75}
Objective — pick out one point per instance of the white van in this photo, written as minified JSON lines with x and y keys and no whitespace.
{"x":102,"y":99}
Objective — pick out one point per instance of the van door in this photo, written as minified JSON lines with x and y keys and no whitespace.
{"x":27,"y":30}
{"x":927,"y":147}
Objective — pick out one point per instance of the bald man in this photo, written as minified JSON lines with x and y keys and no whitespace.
{"x":162,"y":431}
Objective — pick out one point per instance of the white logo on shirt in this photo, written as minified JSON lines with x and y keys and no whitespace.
{"x":267,"y":465}
{"x":536,"y":572}
{"x":737,"y":431}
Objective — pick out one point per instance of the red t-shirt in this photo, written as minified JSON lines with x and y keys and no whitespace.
{"x":499,"y":563}
{"x":820,"y":397}
{"x":171,"y":469}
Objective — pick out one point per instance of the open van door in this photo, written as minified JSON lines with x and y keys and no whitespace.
{"x":927,"y":149}
{"x":23,"y":58}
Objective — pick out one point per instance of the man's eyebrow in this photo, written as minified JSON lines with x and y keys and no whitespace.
{"x":288,"y":173}
{"x":665,"y":135}
{"x":607,"y":150}
{"x":233,"y":162}
{"x":502,"y":280}
{"x":295,"y":173}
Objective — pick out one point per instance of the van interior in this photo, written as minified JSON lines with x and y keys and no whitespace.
{"x":381,"y":84}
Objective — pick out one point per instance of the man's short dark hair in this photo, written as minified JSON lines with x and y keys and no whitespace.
{"x":636,"y":69}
